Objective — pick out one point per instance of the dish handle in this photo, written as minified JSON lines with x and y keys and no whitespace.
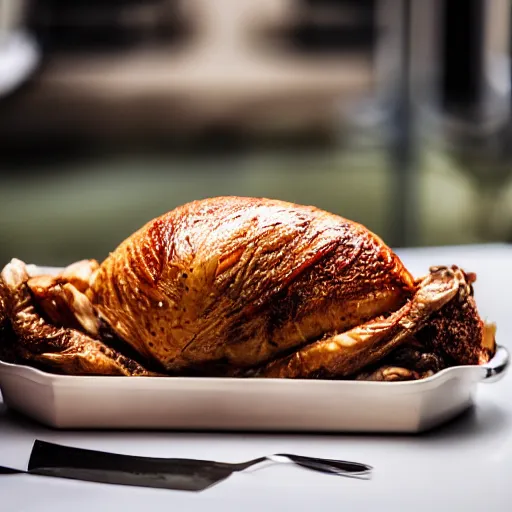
{"x":496,"y":368}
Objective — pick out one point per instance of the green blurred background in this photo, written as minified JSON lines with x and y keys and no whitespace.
{"x":115,"y":112}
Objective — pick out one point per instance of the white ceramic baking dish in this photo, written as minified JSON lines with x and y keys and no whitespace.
{"x":245,"y":404}
{"x":188,"y":403}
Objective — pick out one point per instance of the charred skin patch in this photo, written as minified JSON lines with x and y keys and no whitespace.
{"x":456,"y":333}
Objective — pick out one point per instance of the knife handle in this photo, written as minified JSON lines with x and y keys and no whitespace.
{"x":332,"y":466}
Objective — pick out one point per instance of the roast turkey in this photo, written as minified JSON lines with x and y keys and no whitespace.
{"x":244,"y":287}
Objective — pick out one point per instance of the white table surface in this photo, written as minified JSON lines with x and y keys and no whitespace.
{"x":466,"y":465}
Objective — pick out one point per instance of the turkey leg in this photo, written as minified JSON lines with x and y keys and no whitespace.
{"x":346,"y":354}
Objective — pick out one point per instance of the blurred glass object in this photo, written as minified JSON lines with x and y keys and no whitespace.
{"x":19,"y":53}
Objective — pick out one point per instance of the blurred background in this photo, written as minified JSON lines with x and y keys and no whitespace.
{"x":393,"y":113}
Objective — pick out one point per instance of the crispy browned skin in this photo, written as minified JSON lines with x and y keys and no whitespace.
{"x":235,"y":282}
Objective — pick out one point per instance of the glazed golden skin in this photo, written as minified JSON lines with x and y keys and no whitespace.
{"x":228,"y":283}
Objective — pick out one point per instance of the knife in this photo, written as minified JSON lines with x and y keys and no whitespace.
{"x":54,"y":460}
